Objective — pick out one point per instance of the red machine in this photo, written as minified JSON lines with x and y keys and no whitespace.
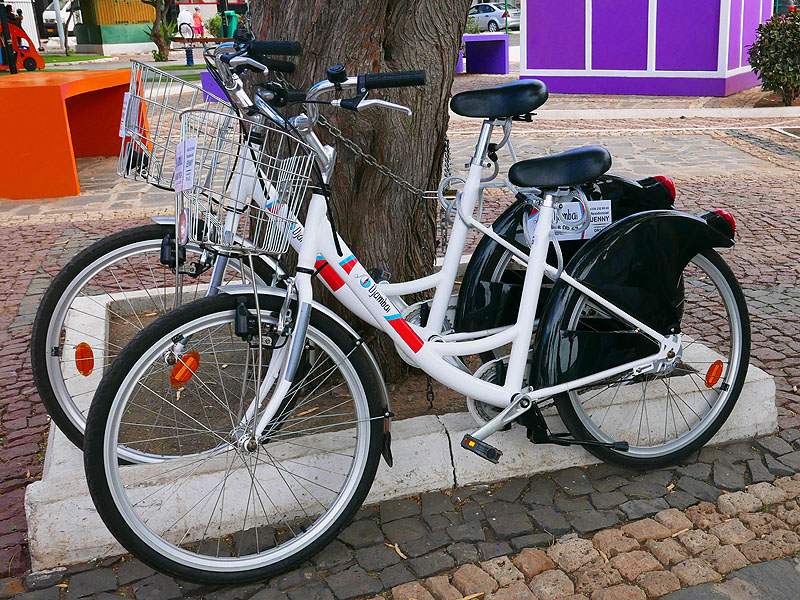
{"x":27,"y":56}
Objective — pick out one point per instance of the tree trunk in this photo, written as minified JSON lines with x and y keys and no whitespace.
{"x":383,"y":224}
{"x":159,"y":25}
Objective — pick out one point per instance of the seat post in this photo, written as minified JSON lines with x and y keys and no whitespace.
{"x":482,"y":146}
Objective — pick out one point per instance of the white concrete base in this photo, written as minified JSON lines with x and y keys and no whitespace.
{"x":64,"y":528}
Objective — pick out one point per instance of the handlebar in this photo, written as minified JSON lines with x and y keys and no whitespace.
{"x":273,"y":64}
{"x":258,"y":49}
{"x":374,"y":81}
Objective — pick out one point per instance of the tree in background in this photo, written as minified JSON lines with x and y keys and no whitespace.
{"x":384,"y":224}
{"x":162,"y":29}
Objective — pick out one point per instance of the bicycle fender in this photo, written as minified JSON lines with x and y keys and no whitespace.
{"x":636,"y":264}
{"x":165,"y":220}
{"x":386,"y":451}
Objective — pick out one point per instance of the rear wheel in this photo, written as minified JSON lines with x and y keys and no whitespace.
{"x":209,"y":508}
{"x":104,"y":296}
{"x":493,"y":27}
{"x":668,"y":416}
{"x":29,"y":63}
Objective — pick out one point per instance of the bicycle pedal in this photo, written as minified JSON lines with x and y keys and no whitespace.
{"x":482,"y":449}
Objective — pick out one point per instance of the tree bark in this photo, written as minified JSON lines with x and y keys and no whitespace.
{"x":383,"y":224}
{"x":159,"y":25}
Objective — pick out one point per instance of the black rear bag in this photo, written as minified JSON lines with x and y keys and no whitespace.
{"x":485,"y":304}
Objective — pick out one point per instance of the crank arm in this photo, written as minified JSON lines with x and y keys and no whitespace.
{"x":474,"y":442}
{"x":518,"y":406}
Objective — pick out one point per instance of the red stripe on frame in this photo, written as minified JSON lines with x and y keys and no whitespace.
{"x":330,"y":276}
{"x":409,"y":335}
{"x":348,"y":266}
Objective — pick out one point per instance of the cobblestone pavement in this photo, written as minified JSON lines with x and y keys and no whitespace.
{"x":599,"y":533}
{"x":752,"y":173}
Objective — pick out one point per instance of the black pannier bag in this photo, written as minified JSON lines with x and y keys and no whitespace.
{"x":490,"y":292}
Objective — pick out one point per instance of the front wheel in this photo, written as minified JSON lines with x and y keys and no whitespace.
{"x":107,"y":293}
{"x":210,"y":508}
{"x":666,"y":417}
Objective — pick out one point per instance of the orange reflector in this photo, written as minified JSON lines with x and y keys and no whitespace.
{"x":84,"y":359}
{"x":713,"y":374}
{"x":184,"y":369}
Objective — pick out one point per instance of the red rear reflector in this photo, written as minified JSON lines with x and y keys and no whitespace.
{"x":713,"y":374}
{"x":84,"y":359}
{"x":728,"y":217}
{"x":667,"y":182}
{"x":184,"y":369}
{"x":505,"y":15}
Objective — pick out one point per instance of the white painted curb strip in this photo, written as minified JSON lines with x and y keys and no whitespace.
{"x":64,"y":528}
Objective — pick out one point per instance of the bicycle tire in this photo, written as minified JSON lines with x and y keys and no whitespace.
{"x":730,"y":382}
{"x":51,"y":316}
{"x":108,"y":415}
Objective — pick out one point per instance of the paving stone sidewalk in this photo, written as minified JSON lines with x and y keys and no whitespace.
{"x":599,"y":533}
{"x":757,"y":183}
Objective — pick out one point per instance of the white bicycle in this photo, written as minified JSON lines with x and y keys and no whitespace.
{"x":263,"y":415}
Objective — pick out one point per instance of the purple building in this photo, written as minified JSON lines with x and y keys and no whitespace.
{"x":655,"y":47}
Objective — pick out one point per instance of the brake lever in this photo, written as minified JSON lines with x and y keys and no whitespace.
{"x":248,"y":63}
{"x":367,"y":103}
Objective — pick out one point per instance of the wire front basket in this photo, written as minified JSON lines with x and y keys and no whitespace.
{"x":150,"y":122}
{"x":243,"y":182}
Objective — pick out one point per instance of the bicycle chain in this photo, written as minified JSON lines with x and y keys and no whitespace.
{"x":447,"y":170}
{"x":373,"y":162}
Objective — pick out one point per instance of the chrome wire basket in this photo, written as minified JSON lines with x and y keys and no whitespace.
{"x":243,"y":184}
{"x":150,"y":127}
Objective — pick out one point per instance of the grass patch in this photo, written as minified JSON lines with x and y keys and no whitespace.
{"x":54,"y":59}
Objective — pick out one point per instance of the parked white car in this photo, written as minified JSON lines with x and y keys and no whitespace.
{"x":49,"y":17}
{"x":491,"y":16}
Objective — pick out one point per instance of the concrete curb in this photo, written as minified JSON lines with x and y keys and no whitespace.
{"x":427,"y":456}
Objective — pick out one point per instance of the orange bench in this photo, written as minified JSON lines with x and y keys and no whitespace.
{"x":50,"y":119}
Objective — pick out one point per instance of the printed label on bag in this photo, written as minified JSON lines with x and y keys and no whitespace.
{"x":125,"y":101}
{"x":600,"y":211}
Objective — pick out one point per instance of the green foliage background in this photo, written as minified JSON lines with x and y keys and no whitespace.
{"x":775,"y":55}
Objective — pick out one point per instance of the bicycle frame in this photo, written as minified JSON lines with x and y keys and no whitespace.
{"x":430,"y":346}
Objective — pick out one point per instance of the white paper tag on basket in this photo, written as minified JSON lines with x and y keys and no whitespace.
{"x":185,"y":153}
{"x":600,"y":215}
{"x":125,"y":102}
{"x":189,"y":154}
{"x":177,"y":174}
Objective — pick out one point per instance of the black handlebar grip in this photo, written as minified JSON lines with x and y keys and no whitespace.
{"x":275,"y":48}
{"x":273,"y":64}
{"x":295,"y":95}
{"x":374,"y":81}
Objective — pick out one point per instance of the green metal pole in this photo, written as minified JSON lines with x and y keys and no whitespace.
{"x":506,"y":17}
